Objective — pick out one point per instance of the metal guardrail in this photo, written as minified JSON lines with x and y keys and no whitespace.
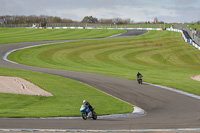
{"x":185,"y":36}
{"x":194,"y":35}
{"x":97,"y":25}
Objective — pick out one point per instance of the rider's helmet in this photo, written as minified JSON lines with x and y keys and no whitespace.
{"x":84,"y":102}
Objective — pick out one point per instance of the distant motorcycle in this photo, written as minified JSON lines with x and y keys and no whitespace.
{"x":86,"y":113}
{"x":139,"y":78}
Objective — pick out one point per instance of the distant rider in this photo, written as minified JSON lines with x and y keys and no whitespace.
{"x":87,"y":104}
{"x":139,"y":77}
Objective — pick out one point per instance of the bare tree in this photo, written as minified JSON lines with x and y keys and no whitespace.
{"x":43,"y":19}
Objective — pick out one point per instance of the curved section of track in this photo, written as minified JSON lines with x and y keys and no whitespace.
{"x":165,"y":109}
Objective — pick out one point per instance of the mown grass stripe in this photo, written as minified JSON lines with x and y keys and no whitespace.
{"x":14,"y":35}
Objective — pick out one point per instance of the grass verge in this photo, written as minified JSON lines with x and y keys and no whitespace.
{"x":67,"y":99}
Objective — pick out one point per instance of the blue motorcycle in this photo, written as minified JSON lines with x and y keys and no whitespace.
{"x":86,"y":113}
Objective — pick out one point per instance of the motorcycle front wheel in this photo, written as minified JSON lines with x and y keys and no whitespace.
{"x":139,"y":81}
{"x":84,"y":116}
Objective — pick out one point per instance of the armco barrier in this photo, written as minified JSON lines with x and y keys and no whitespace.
{"x":98,"y":28}
{"x":185,"y":39}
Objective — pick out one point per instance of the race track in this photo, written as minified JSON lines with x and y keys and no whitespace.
{"x":165,"y":109}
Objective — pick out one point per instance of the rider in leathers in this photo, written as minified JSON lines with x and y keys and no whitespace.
{"x":87,"y":104}
{"x":139,"y":76}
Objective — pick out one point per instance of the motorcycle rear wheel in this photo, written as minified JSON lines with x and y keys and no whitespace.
{"x":94,"y":116}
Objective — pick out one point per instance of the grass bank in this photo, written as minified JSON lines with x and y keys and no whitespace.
{"x":161,"y":56}
{"x":14,"y":35}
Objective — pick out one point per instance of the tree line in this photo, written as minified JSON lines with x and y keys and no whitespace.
{"x":21,"y":19}
{"x":44,"y":19}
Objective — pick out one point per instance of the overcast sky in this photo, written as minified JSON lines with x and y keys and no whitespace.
{"x":136,"y":10}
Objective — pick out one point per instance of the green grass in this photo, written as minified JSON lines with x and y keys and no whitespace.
{"x":67,"y":99}
{"x":68,"y":94}
{"x":14,"y":35}
{"x":161,"y":56}
{"x":193,"y":25}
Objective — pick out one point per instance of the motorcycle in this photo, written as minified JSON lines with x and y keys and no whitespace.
{"x":86,"y":113}
{"x":139,"y":78}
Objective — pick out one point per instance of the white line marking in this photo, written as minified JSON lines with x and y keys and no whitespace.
{"x":78,"y":130}
{"x":5,"y":57}
{"x":177,"y":91}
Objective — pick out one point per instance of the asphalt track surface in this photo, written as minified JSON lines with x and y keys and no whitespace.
{"x":164,"y":109}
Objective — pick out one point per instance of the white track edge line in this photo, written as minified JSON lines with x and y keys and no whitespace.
{"x":79,"y":130}
{"x":177,"y":91}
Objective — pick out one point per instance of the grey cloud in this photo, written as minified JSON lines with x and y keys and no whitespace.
{"x":185,"y":2}
{"x":138,"y":10}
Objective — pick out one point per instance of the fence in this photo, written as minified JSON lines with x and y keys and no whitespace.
{"x":97,"y":25}
{"x":16,"y":25}
{"x":198,"y":33}
{"x":194,"y":35}
{"x":105,"y":25}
